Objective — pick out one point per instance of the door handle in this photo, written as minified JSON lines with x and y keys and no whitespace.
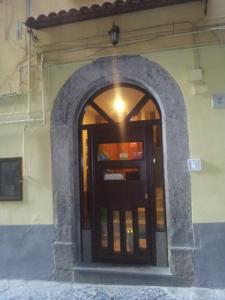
{"x":146,"y":196}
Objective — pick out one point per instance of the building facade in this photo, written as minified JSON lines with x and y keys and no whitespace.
{"x":112,"y":148}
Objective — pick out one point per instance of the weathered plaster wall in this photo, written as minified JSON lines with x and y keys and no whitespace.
{"x":34,"y":143}
{"x":207,"y":142}
{"x":12,"y":49}
{"x":206,"y":126}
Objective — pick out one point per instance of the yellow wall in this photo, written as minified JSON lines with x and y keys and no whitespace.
{"x":206,"y":128}
{"x":65,"y":49}
{"x":12,"y":49}
{"x":207,"y":141}
{"x":33,"y":143}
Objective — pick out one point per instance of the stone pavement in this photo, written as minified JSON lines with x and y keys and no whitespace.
{"x":38,"y":290}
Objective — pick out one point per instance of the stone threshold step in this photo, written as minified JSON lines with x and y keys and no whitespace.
{"x":131,"y":275}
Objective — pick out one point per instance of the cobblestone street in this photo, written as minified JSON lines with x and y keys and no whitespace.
{"x":38,"y":290}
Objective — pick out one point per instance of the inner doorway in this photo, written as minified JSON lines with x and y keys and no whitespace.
{"x":123,"y":211}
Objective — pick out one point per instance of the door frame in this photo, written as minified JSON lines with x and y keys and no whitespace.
{"x":65,"y":122}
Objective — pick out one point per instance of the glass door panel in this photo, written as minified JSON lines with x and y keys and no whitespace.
{"x":159,"y":184}
{"x":129,"y":231}
{"x":142,"y":237}
{"x":116,"y":231}
{"x":104,"y":227}
{"x":124,"y":174}
{"x":120,"y":151}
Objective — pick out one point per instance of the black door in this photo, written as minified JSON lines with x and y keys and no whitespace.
{"x":122,"y":223}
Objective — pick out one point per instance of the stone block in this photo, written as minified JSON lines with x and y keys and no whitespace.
{"x":62,"y":275}
{"x":182,"y":261}
{"x":64,"y":255}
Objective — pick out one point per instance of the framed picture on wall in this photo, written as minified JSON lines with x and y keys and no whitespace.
{"x":11,"y":179}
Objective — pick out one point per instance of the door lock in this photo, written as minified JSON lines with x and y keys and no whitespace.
{"x":146,"y":195}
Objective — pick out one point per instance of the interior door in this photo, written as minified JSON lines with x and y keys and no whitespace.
{"x":121,"y":193}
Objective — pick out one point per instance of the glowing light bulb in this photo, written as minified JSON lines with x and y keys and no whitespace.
{"x":119,"y":105}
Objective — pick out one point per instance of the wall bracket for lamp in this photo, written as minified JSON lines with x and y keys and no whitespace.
{"x":33,"y":35}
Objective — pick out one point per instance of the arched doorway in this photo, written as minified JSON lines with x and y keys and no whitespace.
{"x":123,"y":207}
{"x":65,"y":124}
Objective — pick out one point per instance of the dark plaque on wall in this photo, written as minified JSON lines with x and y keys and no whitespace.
{"x":11,"y":179}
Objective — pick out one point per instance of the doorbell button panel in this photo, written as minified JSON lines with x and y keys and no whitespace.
{"x":195,"y":165}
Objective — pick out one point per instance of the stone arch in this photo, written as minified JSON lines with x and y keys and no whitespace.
{"x":67,"y":109}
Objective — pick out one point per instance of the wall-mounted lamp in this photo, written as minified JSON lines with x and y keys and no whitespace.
{"x":115,"y":34}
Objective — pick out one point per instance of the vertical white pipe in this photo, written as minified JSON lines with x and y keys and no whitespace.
{"x":29,"y":4}
{"x":42,"y":89}
{"x":196,"y":50}
{"x":5,"y":19}
{"x":29,"y":75}
{"x":29,"y":62}
{"x":23,"y":150}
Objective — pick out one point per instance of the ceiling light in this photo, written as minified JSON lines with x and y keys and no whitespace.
{"x":119,"y":105}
